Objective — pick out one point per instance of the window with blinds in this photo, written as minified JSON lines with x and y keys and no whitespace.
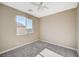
{"x":24,"y":25}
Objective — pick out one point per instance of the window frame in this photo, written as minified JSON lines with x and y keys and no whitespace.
{"x":25,"y":26}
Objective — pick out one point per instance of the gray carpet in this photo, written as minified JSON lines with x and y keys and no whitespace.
{"x":31,"y":50}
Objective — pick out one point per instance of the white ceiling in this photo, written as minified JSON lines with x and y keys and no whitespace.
{"x":53,"y":7}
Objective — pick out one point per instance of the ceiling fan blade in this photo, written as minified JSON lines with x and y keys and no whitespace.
{"x":40,"y":6}
{"x":41,"y":3}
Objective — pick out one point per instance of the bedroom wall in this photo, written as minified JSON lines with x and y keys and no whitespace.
{"x":60,"y":29}
{"x":8,"y":37}
{"x":77,"y":28}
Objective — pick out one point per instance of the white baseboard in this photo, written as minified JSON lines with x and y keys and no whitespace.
{"x":34,"y":41}
{"x":16,"y":47}
{"x":60,"y":45}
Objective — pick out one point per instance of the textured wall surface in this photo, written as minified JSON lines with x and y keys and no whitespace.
{"x":59,"y":28}
{"x":8,"y":37}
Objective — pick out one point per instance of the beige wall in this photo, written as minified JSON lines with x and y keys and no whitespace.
{"x":59,"y":28}
{"x":77,"y":28}
{"x":8,"y":37}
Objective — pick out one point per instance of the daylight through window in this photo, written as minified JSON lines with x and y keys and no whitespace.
{"x":24,"y":25}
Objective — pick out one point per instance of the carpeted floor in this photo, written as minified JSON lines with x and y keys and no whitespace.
{"x":48,"y":53}
{"x":31,"y":50}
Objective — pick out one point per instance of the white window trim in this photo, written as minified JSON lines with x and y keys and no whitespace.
{"x":26,"y":26}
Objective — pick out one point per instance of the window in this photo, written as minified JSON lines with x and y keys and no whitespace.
{"x":29,"y":26}
{"x":24,"y":25}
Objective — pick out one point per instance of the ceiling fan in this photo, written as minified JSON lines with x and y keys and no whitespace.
{"x":41,"y":5}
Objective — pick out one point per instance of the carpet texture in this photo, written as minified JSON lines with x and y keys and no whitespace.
{"x":31,"y":50}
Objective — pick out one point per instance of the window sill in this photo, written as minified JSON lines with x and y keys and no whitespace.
{"x":25,"y":34}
